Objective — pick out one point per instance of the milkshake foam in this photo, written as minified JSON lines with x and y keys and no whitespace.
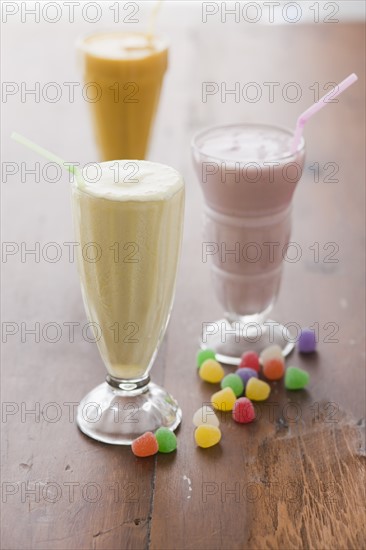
{"x":122,"y":45}
{"x":126,"y":180}
{"x":253,"y":143}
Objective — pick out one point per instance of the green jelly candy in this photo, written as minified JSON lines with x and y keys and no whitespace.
{"x":204,"y":354}
{"x":234,"y":382}
{"x":166,"y":439}
{"x":295,"y":378}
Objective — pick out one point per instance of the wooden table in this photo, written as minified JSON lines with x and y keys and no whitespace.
{"x":294,"y":478}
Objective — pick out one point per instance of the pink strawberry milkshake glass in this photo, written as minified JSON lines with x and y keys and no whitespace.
{"x":248,"y":177}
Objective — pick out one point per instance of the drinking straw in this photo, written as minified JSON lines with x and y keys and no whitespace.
{"x":323,"y":101}
{"x":49,"y":156}
{"x":152,"y":19}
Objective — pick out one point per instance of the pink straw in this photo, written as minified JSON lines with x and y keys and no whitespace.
{"x":323,"y":101}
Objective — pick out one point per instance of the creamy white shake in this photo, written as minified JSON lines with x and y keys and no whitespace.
{"x":133,"y":213}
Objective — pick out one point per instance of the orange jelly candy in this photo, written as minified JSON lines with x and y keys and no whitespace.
{"x":145,"y":445}
{"x":274,"y":369}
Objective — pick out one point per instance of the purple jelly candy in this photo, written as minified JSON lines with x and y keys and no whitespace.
{"x":306,"y":342}
{"x":245,"y":373}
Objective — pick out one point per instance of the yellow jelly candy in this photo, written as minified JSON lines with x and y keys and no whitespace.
{"x":211,"y":371}
{"x":257,"y":390}
{"x":224,"y":400}
{"x":207,"y":436}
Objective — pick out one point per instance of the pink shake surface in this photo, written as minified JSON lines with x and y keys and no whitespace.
{"x":247,"y":169}
{"x":251,"y":143}
{"x":248,"y":177}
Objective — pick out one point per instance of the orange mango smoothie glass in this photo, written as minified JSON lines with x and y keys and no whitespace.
{"x":125,"y":72}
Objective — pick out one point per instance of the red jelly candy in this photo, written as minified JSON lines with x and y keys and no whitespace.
{"x":243,"y":411}
{"x":274,"y":369}
{"x":145,"y":445}
{"x":249,"y":360}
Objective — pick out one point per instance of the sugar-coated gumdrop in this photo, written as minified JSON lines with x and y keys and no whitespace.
{"x":223,"y":400}
{"x":145,"y":445}
{"x":204,"y":354}
{"x":274,"y":369}
{"x":243,"y":411}
{"x":205,"y":415}
{"x":249,"y":360}
{"x":211,"y":371}
{"x":167,"y":441}
{"x":272,"y":352}
{"x":306,"y":342}
{"x":296,"y":379}
{"x":207,"y":436}
{"x":234,"y":382}
{"x":257,"y":390}
{"x":246,"y":373}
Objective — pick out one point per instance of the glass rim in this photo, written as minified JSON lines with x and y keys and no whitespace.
{"x":85,"y":190}
{"x":201,"y":133}
{"x":81,"y":39}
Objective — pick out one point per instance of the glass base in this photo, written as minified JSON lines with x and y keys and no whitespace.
{"x":118,"y":416}
{"x":230,"y":340}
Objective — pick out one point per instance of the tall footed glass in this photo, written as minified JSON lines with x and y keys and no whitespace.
{"x":129,"y":222}
{"x":248,"y":177}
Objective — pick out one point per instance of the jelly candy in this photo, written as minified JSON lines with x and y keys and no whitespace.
{"x":223,"y":400}
{"x":205,"y":415}
{"x":207,"y":436}
{"x":204,"y":354}
{"x":246,"y":373}
{"x":243,"y":411}
{"x":274,"y":369}
{"x":306,"y":342}
{"x":211,"y":371}
{"x":145,"y":445}
{"x":296,"y":379}
{"x":257,"y":390}
{"x":234,"y":382}
{"x":249,"y":360}
{"x":272,"y":352}
{"x":166,"y":439}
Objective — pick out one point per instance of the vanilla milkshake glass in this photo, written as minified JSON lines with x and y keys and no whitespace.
{"x":248,"y":177}
{"x":128,"y":219}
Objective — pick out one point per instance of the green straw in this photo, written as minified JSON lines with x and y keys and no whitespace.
{"x":49,"y":156}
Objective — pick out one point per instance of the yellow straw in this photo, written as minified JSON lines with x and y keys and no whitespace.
{"x":152,"y":19}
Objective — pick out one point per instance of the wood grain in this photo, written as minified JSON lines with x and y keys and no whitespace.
{"x":295,"y":478}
